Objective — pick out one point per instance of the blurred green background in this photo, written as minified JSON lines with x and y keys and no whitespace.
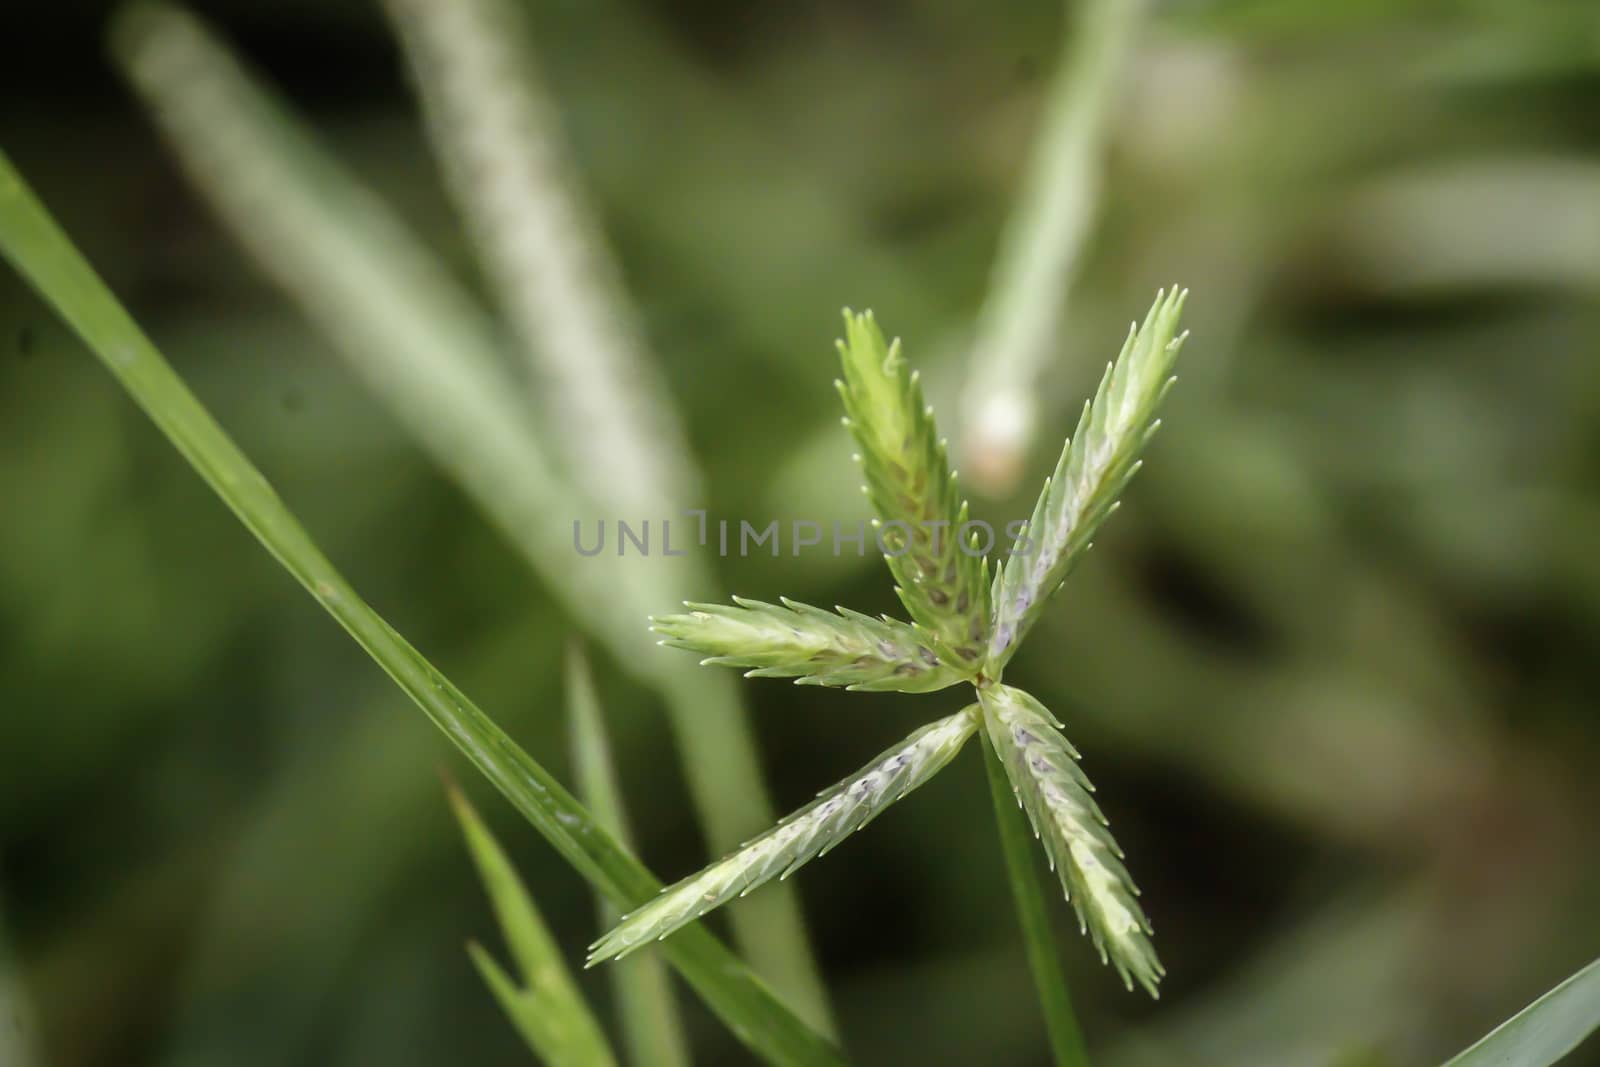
{"x":1332,"y":666}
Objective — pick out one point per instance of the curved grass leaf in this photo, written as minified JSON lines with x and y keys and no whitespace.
{"x":809,"y":644}
{"x":545,"y":1005}
{"x":1043,"y":768}
{"x":1546,"y":1030}
{"x":797,"y":839}
{"x":36,"y":246}
{"x":422,"y":345}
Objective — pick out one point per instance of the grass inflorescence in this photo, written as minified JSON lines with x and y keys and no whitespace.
{"x":960,"y":629}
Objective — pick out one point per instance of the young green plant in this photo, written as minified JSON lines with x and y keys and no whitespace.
{"x":542,"y":1001}
{"x":963,"y":628}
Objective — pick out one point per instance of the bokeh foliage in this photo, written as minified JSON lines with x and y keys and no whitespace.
{"x":1336,"y":666}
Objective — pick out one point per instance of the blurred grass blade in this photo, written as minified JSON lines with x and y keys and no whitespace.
{"x":520,"y":1007}
{"x":500,"y":141}
{"x":426,"y":349}
{"x":612,"y":418}
{"x":1061,"y":1022}
{"x":353,"y":269}
{"x":545,"y":1006}
{"x":16,"y":1009}
{"x":41,"y":252}
{"x":651,"y":1026}
{"x":1546,"y":1030}
{"x":1019,"y":324}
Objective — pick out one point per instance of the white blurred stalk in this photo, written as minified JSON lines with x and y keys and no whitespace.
{"x":500,"y":142}
{"x":403,"y":324}
{"x":1018,"y":326}
{"x":612,"y":418}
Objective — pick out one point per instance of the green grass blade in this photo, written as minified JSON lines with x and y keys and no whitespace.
{"x":42,"y":253}
{"x":1546,"y":1030}
{"x":425,"y":348}
{"x":651,"y":1026}
{"x":545,"y":1006}
{"x":519,"y":1004}
{"x":1061,"y":1022}
{"x":16,"y":1009}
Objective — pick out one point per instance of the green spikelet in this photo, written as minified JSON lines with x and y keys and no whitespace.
{"x":942,"y":580}
{"x":1043,"y":768}
{"x":1096,"y":464}
{"x":809,"y":644}
{"x":797,"y":839}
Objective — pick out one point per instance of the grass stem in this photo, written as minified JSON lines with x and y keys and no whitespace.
{"x":1066,"y":1039}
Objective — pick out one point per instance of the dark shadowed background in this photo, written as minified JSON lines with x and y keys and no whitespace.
{"x":1333,"y":666}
